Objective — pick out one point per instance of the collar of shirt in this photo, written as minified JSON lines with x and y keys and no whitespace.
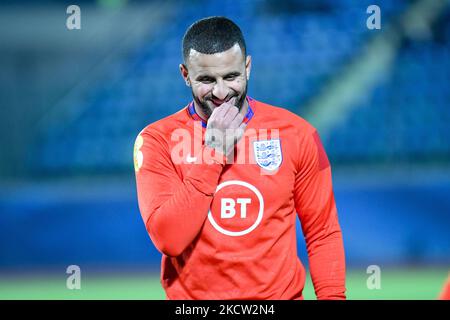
{"x":248,"y":116}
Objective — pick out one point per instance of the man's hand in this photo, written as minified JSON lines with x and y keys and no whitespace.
{"x":225,"y":127}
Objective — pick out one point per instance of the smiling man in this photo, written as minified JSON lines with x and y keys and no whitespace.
{"x":219,"y":71}
{"x":221,"y":182}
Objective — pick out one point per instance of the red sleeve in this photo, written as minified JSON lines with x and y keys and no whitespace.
{"x":173,"y":210}
{"x":445,"y":293}
{"x":316,"y":208}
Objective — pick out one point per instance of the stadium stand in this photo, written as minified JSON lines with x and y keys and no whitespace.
{"x":147,"y":85}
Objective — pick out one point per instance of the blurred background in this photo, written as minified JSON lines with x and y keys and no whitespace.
{"x":73,"y":101}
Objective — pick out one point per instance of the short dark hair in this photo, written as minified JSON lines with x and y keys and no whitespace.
{"x":212,"y":35}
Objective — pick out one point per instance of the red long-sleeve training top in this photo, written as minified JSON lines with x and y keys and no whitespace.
{"x":227,"y":231}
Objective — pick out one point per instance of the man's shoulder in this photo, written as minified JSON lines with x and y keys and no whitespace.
{"x":165,"y":126}
{"x":283,"y":115}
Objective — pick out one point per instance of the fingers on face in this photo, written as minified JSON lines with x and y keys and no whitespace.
{"x":227,"y":115}
{"x":230,"y":114}
{"x":216,"y":114}
{"x":224,"y":114}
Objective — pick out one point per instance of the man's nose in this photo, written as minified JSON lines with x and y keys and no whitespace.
{"x":220,"y":91}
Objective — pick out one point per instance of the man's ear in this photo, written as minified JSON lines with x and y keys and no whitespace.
{"x":248,"y":66}
{"x":185,"y":74}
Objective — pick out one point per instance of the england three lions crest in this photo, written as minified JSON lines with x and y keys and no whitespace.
{"x":268,"y":153}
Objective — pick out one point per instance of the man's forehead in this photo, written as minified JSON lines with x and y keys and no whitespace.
{"x":231,"y":58}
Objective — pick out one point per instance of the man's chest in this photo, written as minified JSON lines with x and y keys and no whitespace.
{"x":257,"y":185}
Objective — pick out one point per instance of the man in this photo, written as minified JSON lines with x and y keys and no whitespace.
{"x":220,"y":182}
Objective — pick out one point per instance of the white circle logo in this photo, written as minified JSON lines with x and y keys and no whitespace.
{"x":260,"y":213}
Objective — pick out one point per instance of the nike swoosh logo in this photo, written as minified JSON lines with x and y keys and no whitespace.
{"x":190,"y":159}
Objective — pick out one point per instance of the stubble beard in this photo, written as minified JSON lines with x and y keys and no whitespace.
{"x":207,"y":111}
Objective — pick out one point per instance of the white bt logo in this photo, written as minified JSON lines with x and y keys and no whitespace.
{"x":228,"y":207}
{"x":241,"y":210}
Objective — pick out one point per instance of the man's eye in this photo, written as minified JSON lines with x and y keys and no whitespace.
{"x":229,"y":78}
{"x":206,"y":80}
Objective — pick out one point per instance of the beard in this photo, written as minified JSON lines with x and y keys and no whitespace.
{"x":207,"y":110}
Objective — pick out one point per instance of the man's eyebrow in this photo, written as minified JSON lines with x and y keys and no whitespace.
{"x":208,"y":77}
{"x":204,"y":77}
{"x":232,"y":74}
